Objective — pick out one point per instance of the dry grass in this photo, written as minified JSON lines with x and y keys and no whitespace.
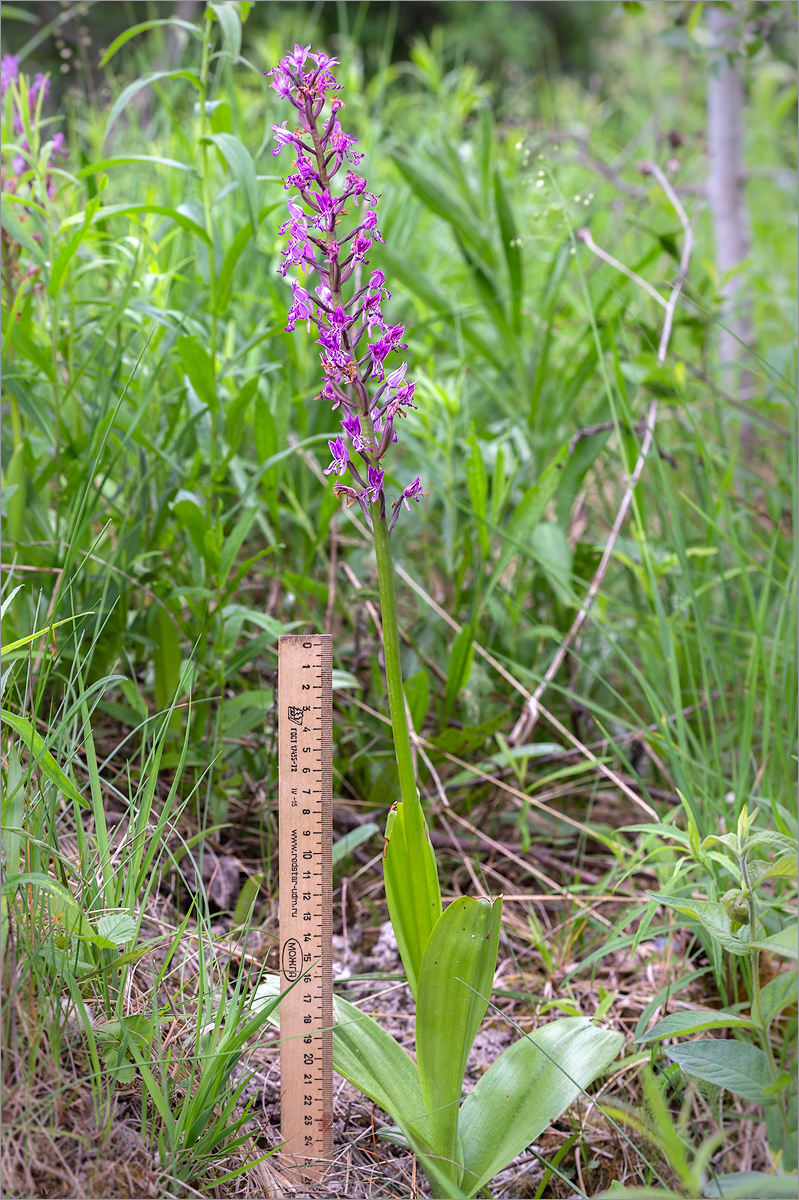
{"x":62,"y":1139}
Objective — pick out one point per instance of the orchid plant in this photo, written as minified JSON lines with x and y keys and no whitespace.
{"x":449,"y":954}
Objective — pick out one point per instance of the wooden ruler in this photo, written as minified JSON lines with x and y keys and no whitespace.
{"x":305,"y":737}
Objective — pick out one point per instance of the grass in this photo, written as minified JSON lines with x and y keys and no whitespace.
{"x":170,"y":521}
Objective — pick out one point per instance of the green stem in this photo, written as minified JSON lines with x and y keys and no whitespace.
{"x":206,"y":189}
{"x":757,"y":1006}
{"x":388,"y":599}
{"x":391,"y":646}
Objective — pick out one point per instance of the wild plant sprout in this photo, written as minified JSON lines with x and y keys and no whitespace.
{"x":449,"y":954}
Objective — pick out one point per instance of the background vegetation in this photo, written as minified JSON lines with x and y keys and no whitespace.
{"x":165,"y":518}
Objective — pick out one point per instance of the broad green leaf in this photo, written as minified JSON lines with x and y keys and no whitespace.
{"x":511,"y":249}
{"x":744,"y":1185}
{"x":200,"y":370}
{"x":266,"y":448}
{"x":224,"y":285}
{"x":166,"y":660}
{"x":730,"y":840}
{"x":552,"y":552}
{"x":231,"y":27}
{"x":370,"y":1058}
{"x":739,"y":1067}
{"x":435,"y":191}
{"x":682,"y":1023}
{"x":133,"y":89}
{"x":344,"y":679}
{"x":242,"y":168}
{"x":234,"y":542}
{"x":15,"y":494}
{"x":125,"y":160}
{"x":234,"y":415}
{"x":119,"y":42}
{"x":526,"y":517}
{"x":238,"y":613}
{"x":48,"y":884}
{"x":786,"y":867}
{"x":65,"y":906}
{"x":783,"y":943}
{"x":12,"y":811}
{"x":352,"y":840}
{"x":43,"y":758}
{"x":454,"y":989}
{"x":411,"y":880}
{"x":183,"y":219}
{"x":460,"y":668}
{"x":66,"y":253}
{"x":779,"y":993}
{"x":773,"y":841}
{"x":417,"y":692}
{"x":477,"y":482}
{"x":441,"y":303}
{"x":17,"y":230}
{"x":528,"y":1087}
{"x":188,"y":510}
{"x":117,"y":927}
{"x":377,"y":1065}
{"x":582,"y":458}
{"x":32,"y":637}
{"x":713,"y":917}
{"x":13,"y":13}
{"x":471,"y":737}
{"x":7,"y":602}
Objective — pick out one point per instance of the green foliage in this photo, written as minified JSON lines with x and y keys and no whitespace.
{"x":161,"y":463}
{"x":738,"y":924}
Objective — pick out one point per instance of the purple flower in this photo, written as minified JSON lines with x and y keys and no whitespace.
{"x":282,"y":82}
{"x":37,"y":93}
{"x":9,"y":72}
{"x":377,"y":284}
{"x":386,"y":433}
{"x":352,"y":428}
{"x":349,"y":494}
{"x":354,"y":185}
{"x":338,"y":360}
{"x":342,"y":144}
{"x":343,"y":313}
{"x":374,"y":484}
{"x":341,"y":457}
{"x":41,"y":83}
{"x":302,"y":308}
{"x":326,"y":208}
{"x":305,"y":176}
{"x":360,"y":247}
{"x":283,"y":137}
{"x":412,"y":492}
{"x":369,"y":223}
{"x":371,"y":314}
{"x":296,"y":61}
{"x":380,"y":350}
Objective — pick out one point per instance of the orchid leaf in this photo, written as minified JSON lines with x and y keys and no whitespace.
{"x":528,"y":1087}
{"x":412,"y":888}
{"x":454,"y":989}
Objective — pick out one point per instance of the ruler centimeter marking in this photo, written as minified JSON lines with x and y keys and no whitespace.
{"x":305,"y":768}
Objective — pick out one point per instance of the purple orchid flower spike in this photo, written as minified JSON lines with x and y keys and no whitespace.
{"x":354,"y":338}
{"x":341,"y":457}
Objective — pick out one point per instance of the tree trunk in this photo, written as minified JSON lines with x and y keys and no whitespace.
{"x":725,"y":193}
